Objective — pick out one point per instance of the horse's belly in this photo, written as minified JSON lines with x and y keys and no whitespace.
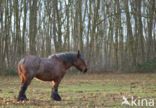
{"x":45,"y":77}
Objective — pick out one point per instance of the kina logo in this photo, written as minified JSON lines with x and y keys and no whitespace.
{"x":132,"y":101}
{"x":125,"y":101}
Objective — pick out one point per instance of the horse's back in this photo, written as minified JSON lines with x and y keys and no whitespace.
{"x":30,"y":61}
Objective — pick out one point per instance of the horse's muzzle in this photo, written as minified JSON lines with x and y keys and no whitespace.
{"x":85,"y":70}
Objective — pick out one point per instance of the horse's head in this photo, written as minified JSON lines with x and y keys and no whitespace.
{"x":80,"y":63}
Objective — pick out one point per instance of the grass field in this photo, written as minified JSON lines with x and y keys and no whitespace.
{"x":81,"y":91}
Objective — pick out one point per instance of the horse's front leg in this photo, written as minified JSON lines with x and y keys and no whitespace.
{"x":54,"y":93}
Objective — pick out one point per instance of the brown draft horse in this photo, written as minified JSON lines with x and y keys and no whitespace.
{"x":51,"y":69}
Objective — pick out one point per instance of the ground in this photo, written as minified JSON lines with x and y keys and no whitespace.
{"x":82,"y":91}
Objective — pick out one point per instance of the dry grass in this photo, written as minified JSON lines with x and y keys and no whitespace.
{"x":89,"y":90}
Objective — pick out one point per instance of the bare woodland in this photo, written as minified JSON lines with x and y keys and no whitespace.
{"x":114,"y":35}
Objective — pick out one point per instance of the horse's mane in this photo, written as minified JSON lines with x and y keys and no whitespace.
{"x":69,"y":57}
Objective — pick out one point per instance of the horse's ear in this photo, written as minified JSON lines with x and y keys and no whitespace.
{"x":78,"y":53}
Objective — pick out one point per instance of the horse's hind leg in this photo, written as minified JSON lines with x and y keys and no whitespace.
{"x":25,"y":81}
{"x":24,"y":86}
{"x":22,"y":95}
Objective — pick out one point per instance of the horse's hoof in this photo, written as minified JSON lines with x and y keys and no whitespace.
{"x":56,"y":97}
{"x":22,"y":98}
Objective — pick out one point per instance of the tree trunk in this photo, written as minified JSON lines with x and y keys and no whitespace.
{"x":33,"y":26}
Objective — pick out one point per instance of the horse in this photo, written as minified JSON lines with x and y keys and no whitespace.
{"x":50,"y":69}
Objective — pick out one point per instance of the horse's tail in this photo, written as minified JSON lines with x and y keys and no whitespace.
{"x":22,"y":71}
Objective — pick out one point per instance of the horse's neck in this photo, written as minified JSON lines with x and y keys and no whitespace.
{"x":68,"y":65}
{"x":68,"y":60}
